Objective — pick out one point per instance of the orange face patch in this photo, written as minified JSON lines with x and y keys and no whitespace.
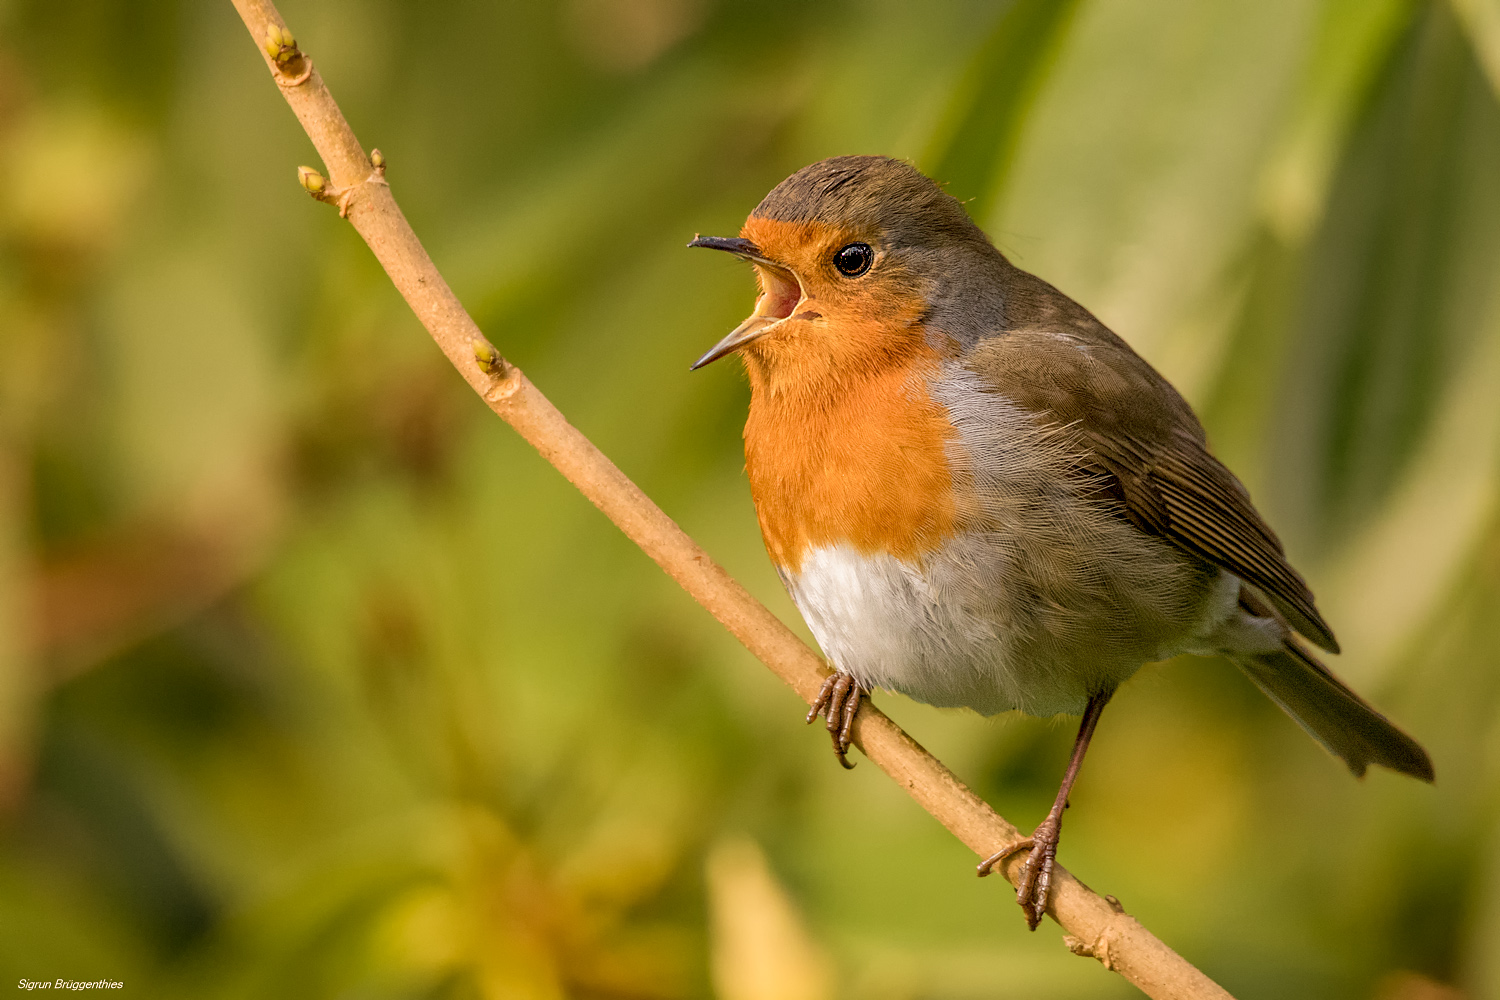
{"x":807,"y":249}
{"x":842,"y":328}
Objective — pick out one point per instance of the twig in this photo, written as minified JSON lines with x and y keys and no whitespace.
{"x":1096,"y":926}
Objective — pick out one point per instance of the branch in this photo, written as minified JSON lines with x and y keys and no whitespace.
{"x":1096,"y":926}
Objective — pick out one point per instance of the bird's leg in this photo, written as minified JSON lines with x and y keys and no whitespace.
{"x":839,"y":702}
{"x":1036,"y":876}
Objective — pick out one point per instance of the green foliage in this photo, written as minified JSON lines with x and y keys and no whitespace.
{"x":316,"y":682}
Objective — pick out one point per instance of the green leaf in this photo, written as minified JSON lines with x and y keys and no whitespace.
{"x":976,"y":140}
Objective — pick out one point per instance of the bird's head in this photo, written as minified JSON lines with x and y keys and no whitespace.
{"x":854,"y":255}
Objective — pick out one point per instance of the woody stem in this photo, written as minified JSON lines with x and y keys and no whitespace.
{"x":1134,"y":952}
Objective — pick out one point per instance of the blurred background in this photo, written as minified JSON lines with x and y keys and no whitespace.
{"x":316,"y":682}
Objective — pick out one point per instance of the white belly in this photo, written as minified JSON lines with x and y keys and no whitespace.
{"x":955,"y":631}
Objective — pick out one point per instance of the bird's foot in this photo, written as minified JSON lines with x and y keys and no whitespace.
{"x":1036,"y":875}
{"x":839,"y":702}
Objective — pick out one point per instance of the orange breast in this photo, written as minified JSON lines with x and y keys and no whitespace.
{"x":863,"y":463}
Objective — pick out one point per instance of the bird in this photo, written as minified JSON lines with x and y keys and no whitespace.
{"x":979,"y":496}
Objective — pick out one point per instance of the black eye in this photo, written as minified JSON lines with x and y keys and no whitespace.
{"x":854,"y":259}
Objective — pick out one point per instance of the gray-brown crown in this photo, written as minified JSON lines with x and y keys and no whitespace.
{"x":875,"y":193}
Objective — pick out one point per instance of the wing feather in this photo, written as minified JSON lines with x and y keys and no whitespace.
{"x":1061,"y":363}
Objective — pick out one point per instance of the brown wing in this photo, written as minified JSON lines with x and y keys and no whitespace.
{"x":1177,"y":489}
{"x":1056,"y":360}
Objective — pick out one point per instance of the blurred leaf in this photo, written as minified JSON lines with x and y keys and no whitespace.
{"x":1481,"y":20}
{"x":1134,"y":189}
{"x":1397,"y":312}
{"x":762,"y":950}
{"x":1352,"y":43}
{"x":974,"y":143}
{"x":18,"y":671}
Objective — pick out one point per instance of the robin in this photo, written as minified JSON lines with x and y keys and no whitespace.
{"x":978,"y":495}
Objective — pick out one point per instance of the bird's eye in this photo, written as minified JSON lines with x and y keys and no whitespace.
{"x":854,"y":259}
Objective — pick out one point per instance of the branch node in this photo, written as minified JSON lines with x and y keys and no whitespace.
{"x":285,"y":56}
{"x":376,"y":176}
{"x":1100,"y":947}
{"x":489,"y":360}
{"x":317,"y":186}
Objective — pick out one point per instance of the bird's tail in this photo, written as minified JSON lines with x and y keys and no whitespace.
{"x":1334,"y":715}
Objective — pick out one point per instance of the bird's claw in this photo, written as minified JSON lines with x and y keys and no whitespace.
{"x":1036,"y":874}
{"x":838,"y":701}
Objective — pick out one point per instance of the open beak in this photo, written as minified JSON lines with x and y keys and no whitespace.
{"x":780,"y":294}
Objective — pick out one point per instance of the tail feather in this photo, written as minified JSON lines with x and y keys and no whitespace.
{"x":1332,"y":714}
